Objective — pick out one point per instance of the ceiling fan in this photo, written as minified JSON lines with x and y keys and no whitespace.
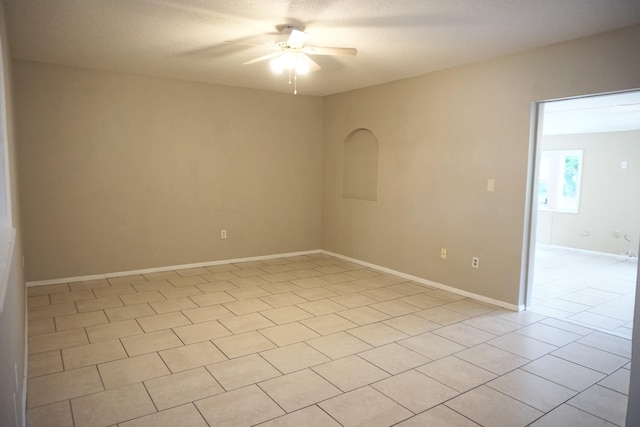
{"x":292,"y":55}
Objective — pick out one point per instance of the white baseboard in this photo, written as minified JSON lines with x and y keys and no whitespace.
{"x":417,"y":279}
{"x":166,"y":268}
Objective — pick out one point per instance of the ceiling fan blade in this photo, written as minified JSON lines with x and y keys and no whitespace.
{"x":297,"y":38}
{"x":335,"y":51}
{"x":262,"y":58}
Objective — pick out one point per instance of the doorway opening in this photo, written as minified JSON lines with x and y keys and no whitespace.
{"x":585,"y":206}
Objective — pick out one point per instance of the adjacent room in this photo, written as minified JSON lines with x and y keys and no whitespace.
{"x":285,"y":213}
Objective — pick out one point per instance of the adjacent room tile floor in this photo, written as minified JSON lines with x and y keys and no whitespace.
{"x":592,"y":289}
{"x":314,"y":340}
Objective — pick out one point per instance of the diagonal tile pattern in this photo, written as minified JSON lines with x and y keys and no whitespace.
{"x":311,"y":340}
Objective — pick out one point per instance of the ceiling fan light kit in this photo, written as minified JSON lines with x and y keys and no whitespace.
{"x":293,"y":55}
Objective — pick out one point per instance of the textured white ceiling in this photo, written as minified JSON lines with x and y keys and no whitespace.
{"x":185,"y":39}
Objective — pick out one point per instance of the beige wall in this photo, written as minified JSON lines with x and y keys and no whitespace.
{"x":441,"y":137}
{"x":120,"y":172}
{"x":13,"y":314}
{"x":609,"y":196}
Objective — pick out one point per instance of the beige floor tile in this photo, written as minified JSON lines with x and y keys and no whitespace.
{"x":191,"y":356}
{"x":162,"y":307}
{"x":415,"y":391}
{"x":194,"y":271}
{"x":350,"y":372}
{"x":395,"y":308}
{"x":114,"y":290}
{"x":431,"y":345}
{"x":365,"y":407}
{"x":252,"y":292}
{"x":155,"y":285}
{"x":220,"y":286}
{"x":38,"y":301}
{"x":409,"y":288}
{"x":314,"y":294}
{"x":205,"y":314}
{"x":281,"y":288}
{"x":602,"y":402}
{"x":249,"y":272}
{"x":201,"y":332}
{"x":187,"y":281}
{"x":213,"y":298}
{"x":89,"y":284}
{"x":310,"y":281}
{"x":161,"y":275}
{"x":112,"y":406}
{"x":363,"y":315}
{"x":378,"y":334}
{"x":98,"y":304}
{"x":242,"y":371}
{"x":492,"y":359}
{"x":246,"y":406}
{"x":424,"y":301}
{"x":549,"y":334}
{"x":92,"y":354}
{"x":47,"y":289}
{"x":183,"y":387}
{"x":57,"y":340}
{"x":62,"y":386}
{"x":456,"y":373}
{"x":470,"y":308}
{"x":183,"y":291}
{"x":45,"y":363}
{"x":567,"y":415}
{"x":142,"y":297}
{"x":493,"y":325}
{"x":63,"y":297}
{"x":463,"y":334}
{"x":328,"y":324}
{"x":150,"y":342}
{"x":591,"y":358}
{"x":522,"y":345}
{"x":289,"y":333}
{"x":129,"y":312}
{"x":81,"y":320}
{"x":243,"y":344}
{"x":163,"y":321}
{"x":113,"y":330}
{"x":563,"y":372}
{"x":441,"y":315}
{"x":394,"y":358}
{"x":251,"y":305}
{"x":299,"y":389}
{"x":246,"y":323}
{"x":185,"y":415}
{"x":532,"y":390}
{"x":286,"y":314}
{"x":278,"y":277}
{"x":609,"y":343}
{"x":321,"y":307}
{"x":53,"y":415}
{"x":438,"y":416}
{"x":309,"y":416}
{"x":41,"y":326}
{"x":339,"y":345}
{"x":248,"y":282}
{"x":46,"y":311}
{"x":411,"y":324}
{"x":283,"y":299}
{"x":121,"y":280}
{"x":132,"y":370}
{"x":488,"y":407}
{"x":294,"y":357}
{"x":221,"y":276}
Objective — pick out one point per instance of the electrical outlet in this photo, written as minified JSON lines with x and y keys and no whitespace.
{"x":443,"y":253}
{"x":223,"y":234}
{"x":475,"y":262}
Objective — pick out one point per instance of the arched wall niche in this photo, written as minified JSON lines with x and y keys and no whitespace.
{"x":360,"y":165}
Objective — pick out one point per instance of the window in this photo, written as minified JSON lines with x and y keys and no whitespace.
{"x":559,"y":181}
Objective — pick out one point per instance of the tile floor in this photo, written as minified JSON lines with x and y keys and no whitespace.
{"x":588,"y":288}
{"x":308,"y":341}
